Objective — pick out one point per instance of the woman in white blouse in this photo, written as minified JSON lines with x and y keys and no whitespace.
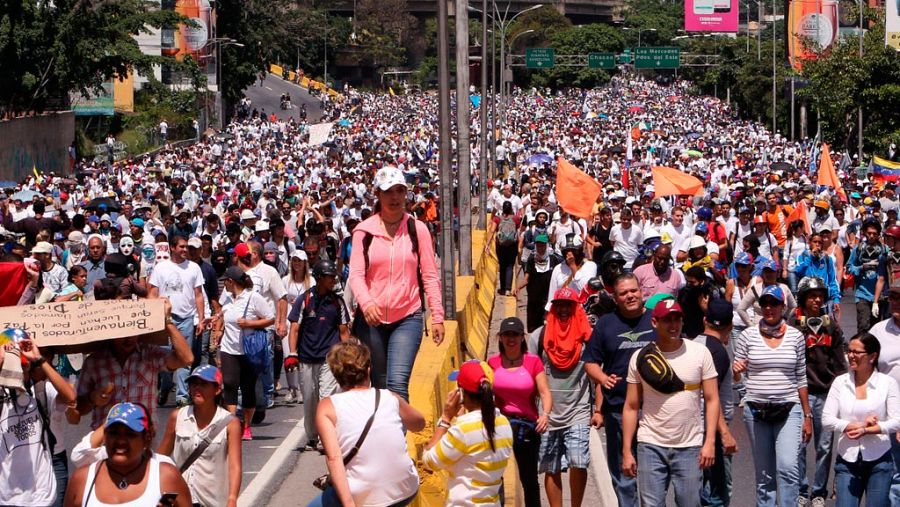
{"x":863,"y":407}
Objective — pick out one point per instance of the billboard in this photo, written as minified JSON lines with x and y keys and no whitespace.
{"x":892,"y":24}
{"x":194,"y":41}
{"x":812,"y":27}
{"x":711,"y":16}
{"x":98,"y":103}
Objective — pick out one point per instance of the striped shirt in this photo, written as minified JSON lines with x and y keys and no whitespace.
{"x":476,"y":471}
{"x":773,"y":375}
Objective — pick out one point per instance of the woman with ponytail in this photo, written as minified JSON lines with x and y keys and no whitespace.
{"x":459,"y":446}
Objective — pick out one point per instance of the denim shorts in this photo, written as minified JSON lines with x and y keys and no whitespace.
{"x":564,"y":448}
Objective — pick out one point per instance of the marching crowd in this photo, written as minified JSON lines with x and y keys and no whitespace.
{"x":306,"y":271}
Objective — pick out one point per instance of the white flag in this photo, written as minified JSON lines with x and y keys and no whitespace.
{"x":318,"y":133}
{"x":629,"y":146}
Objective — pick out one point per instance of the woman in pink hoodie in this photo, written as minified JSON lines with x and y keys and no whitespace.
{"x":385,"y":280}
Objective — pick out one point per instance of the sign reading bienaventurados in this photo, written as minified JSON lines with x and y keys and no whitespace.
{"x":80,"y":322}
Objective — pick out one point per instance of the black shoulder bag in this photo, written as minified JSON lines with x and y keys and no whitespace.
{"x":324,"y":482}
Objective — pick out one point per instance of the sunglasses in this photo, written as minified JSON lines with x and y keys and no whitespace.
{"x":770,"y":303}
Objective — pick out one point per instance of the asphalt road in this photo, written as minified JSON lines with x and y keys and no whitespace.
{"x":267,"y":97}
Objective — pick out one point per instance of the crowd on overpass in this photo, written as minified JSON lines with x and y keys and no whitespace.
{"x":306,"y":271}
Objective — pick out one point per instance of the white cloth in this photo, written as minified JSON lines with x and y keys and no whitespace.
{"x":26,"y":466}
{"x":177,"y":282}
{"x":381,"y":473}
{"x":151,"y":495}
{"x":842,"y":408}
{"x":207,"y":477}
{"x":233,"y":310}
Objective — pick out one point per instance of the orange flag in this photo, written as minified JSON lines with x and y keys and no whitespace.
{"x":801,"y":214}
{"x":669,"y":181}
{"x":827,"y":175}
{"x":576,"y":192}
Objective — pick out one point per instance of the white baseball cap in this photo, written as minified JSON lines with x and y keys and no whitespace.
{"x":388,"y":177}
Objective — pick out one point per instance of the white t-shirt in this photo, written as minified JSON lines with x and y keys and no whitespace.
{"x":177,"y":282}
{"x":233,"y":310}
{"x":675,"y":420}
{"x":26,"y":466}
{"x":626,"y":242}
{"x":562,"y":272}
{"x":268,"y":284}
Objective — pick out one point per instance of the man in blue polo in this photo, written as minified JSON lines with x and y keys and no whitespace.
{"x":616,"y":337}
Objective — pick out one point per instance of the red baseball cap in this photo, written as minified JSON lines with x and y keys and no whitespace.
{"x":665,"y":308}
{"x":565,"y":294}
{"x":242,"y":250}
{"x":471,"y":373}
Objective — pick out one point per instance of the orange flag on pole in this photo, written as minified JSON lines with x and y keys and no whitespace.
{"x":576,"y":192}
{"x":827,"y":175}
{"x":801,"y":214}
{"x":669,"y":181}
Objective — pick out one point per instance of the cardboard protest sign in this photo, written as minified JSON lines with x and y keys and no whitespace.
{"x":81,"y":322}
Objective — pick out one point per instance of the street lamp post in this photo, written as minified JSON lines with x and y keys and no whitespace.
{"x":220,"y":42}
{"x":859,"y":148}
{"x":640,"y":31}
{"x":482,"y":113}
{"x":448,"y":277}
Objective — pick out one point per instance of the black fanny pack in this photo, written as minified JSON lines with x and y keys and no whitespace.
{"x":656,"y":371}
{"x":769,"y":412}
{"x":523,"y":429}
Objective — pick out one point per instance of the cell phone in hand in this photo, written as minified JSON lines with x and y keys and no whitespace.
{"x":167,"y":499}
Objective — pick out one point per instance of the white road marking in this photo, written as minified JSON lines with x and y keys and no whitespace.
{"x":265,"y":479}
{"x":268,"y":88}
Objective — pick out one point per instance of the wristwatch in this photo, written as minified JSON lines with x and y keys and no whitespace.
{"x":443,"y":424}
{"x":38,"y":362}
{"x":808,"y":415}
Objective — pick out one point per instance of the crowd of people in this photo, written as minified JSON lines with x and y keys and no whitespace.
{"x":309,"y":272}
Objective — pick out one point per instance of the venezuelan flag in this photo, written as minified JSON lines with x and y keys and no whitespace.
{"x":885,"y":170}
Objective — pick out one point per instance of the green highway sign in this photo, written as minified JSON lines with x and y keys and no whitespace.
{"x":657,"y":58}
{"x":625,"y":57}
{"x":601,"y":61}
{"x":540,"y":58}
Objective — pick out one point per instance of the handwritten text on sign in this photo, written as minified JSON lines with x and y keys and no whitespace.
{"x":78,"y":322}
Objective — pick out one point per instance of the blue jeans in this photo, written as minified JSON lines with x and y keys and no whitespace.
{"x":822,"y":438}
{"x":873,"y":478}
{"x":61,"y":471}
{"x":776,"y":447}
{"x":626,"y":487}
{"x":394,"y":348}
{"x":895,"y":481}
{"x":792,"y":281}
{"x":716,"y":490}
{"x":659,"y":466}
{"x":329,"y":498}
{"x":186,"y":326}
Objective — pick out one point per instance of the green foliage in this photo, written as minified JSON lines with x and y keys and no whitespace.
{"x":653,"y":21}
{"x":595,"y":38}
{"x":841,"y":81}
{"x":545,"y":22}
{"x":51,"y":49}
{"x":384,"y":30}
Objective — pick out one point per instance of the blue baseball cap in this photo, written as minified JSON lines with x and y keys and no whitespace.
{"x":702,"y":228}
{"x":94,"y":219}
{"x":773,"y":291}
{"x":743,"y":258}
{"x":207,"y":373}
{"x":137,"y":222}
{"x":131,"y":415}
{"x":769,"y":264}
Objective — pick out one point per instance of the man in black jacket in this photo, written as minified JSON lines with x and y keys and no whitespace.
{"x":31,"y":226}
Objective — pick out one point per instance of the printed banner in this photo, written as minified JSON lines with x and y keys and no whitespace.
{"x":710,"y":16}
{"x":80,"y":322}
{"x":892,"y":24}
{"x":812,"y":27}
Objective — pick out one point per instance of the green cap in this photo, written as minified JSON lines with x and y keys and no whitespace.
{"x":656,"y":298}
{"x":541,"y":238}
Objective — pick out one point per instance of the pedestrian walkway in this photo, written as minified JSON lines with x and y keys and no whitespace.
{"x":599,"y":490}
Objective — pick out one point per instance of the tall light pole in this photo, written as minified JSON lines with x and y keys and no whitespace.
{"x":859,"y":148}
{"x":482,"y":114}
{"x":503,"y":23}
{"x":221,"y":42}
{"x":463,"y":148}
{"x":640,"y":31}
{"x":774,"y":84}
{"x":448,"y":277}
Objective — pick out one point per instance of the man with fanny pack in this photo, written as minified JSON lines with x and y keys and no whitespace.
{"x":664,"y":385}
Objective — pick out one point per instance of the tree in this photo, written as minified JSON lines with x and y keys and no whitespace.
{"x":51,"y":49}
{"x":840,"y":82}
{"x":652,"y":21}
{"x":385,"y":29}
{"x":595,"y":38}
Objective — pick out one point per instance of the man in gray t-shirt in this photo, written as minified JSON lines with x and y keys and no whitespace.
{"x":565,"y":445}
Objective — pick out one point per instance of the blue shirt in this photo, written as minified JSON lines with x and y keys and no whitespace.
{"x":612,"y":343}
{"x":823,"y":268}
{"x":866,"y":278}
